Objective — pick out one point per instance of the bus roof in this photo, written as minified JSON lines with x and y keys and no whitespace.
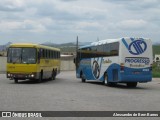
{"x":101,"y":42}
{"x":33,"y":45}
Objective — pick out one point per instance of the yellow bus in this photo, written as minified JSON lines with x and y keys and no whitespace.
{"x":32,"y":61}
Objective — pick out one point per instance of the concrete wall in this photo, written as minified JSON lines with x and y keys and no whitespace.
{"x":66,"y":64}
{"x":3,"y":61}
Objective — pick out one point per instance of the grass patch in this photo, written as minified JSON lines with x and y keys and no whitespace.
{"x":156,"y":74}
{"x":155,"y":70}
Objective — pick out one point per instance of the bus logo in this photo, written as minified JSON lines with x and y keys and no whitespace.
{"x":137,"y":47}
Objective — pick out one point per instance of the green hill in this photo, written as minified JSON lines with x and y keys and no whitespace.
{"x":156,"y":49}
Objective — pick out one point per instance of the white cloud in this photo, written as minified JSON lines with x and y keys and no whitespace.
{"x":26,"y":25}
{"x":63,"y":19}
{"x":8,"y":25}
{"x":33,"y":26}
{"x":132,"y":24}
{"x":11,"y":6}
{"x":82,"y":25}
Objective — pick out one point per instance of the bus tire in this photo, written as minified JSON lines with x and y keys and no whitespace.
{"x":83,"y":80}
{"x":16,"y":80}
{"x":82,"y":77}
{"x":131,"y":84}
{"x":53,"y":75}
{"x":40,"y":77}
{"x":105,"y":81}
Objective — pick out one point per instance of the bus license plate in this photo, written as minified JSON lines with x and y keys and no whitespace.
{"x":20,"y":76}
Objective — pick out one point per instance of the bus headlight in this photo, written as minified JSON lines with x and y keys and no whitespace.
{"x":9,"y":75}
{"x":32,"y":75}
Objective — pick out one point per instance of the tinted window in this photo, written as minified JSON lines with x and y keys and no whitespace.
{"x":111,"y":49}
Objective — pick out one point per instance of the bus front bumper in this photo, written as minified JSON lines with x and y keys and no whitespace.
{"x":22,"y":76}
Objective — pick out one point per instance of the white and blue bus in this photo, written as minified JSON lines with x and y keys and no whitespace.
{"x":124,"y":60}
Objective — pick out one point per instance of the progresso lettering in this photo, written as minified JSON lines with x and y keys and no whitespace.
{"x":137,"y":60}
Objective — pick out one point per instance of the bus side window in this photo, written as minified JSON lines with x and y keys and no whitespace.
{"x":56,"y":54}
{"x":42,"y":53}
{"x":53,"y":54}
{"x":114,"y":47}
{"x":39,"y":55}
{"x":49,"y":54}
{"x":45,"y":54}
{"x":59,"y":55}
{"x":39,"y":51}
{"x":107,"y":49}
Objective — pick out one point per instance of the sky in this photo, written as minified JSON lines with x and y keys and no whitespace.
{"x":60,"y":21}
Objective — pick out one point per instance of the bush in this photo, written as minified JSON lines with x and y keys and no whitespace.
{"x":155,"y":70}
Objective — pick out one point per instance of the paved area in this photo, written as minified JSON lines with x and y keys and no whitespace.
{"x":67,"y":93}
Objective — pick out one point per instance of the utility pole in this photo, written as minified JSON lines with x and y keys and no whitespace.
{"x":76,"y":58}
{"x":77,"y":46}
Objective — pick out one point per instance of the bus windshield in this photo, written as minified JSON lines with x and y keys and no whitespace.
{"x":22,"y":55}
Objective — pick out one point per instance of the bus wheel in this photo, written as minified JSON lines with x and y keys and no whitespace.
{"x":82,"y":77}
{"x":132,"y":84}
{"x":16,"y":80}
{"x":105,"y":81}
{"x":40,"y":77}
{"x":53,"y":75}
{"x":83,"y":80}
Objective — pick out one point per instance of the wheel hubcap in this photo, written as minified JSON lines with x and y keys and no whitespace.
{"x":105,"y":79}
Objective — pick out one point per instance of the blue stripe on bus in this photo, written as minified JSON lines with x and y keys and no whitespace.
{"x":136,"y":48}
{"x":125,"y":43}
{"x":101,"y":62}
{"x":129,"y":74}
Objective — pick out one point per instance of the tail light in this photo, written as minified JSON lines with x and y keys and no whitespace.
{"x":122,"y":66}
